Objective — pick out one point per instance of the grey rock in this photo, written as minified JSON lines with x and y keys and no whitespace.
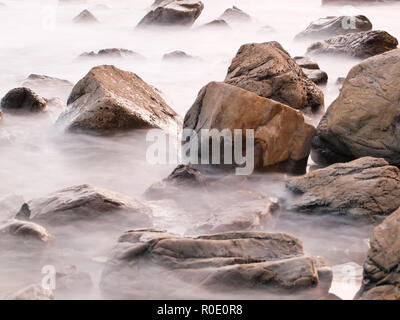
{"x":86,"y":17}
{"x":234,"y":14}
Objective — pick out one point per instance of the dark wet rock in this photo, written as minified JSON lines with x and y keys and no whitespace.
{"x":364,"y":119}
{"x":317,"y":76}
{"x":268,"y":70}
{"x":306,"y":62}
{"x":85,"y":17}
{"x":48,"y":86}
{"x":112,"y":53}
{"x":234,"y":14}
{"x":364,"y":188}
{"x":173,"y":13}
{"x":109,"y":99}
{"x":24,"y":230}
{"x":334,"y":26}
{"x":239,"y":260}
{"x":85,"y":203}
{"x":359,"y":45}
{"x":177,"y":55}
{"x":22,"y":100}
{"x":216,"y":24}
{"x":282,"y":138}
{"x":382,"y":267}
{"x":31,"y":292}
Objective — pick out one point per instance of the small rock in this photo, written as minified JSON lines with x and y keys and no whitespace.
{"x":317,"y":76}
{"x":85,"y":17}
{"x":22,"y":100}
{"x":112,"y":53}
{"x":306,"y":62}
{"x":234,"y":14}
{"x":177,"y":55}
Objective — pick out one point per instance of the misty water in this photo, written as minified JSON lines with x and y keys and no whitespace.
{"x":39,"y":37}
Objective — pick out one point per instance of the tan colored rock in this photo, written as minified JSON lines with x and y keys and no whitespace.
{"x":382,"y":267}
{"x":364,"y":188}
{"x":364,"y":119}
{"x":282,"y":138}
{"x":109,"y":99}
{"x":149,"y":262}
{"x":268,"y":70}
{"x":25,"y":230}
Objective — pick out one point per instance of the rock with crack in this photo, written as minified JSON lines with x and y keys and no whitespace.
{"x":358,"y":45}
{"x":334,"y":26}
{"x":382,"y":267}
{"x":108,"y":99}
{"x":268,"y":70}
{"x":172,"y":13}
{"x":366,"y":188}
{"x":364,"y":119}
{"x":86,"y":17}
{"x":268,"y":262}
{"x":282,"y":138}
{"x":22,"y":101}
{"x":85,"y":203}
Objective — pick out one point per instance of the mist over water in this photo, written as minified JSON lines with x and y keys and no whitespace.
{"x":39,"y":37}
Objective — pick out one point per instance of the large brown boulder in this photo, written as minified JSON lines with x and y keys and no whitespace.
{"x":358,"y":45}
{"x":382,"y":267}
{"x":85,"y":203}
{"x":172,"y":13}
{"x":282,"y":138}
{"x":334,"y":26}
{"x":148,"y":263}
{"x":268,"y":70}
{"x":364,"y":119}
{"x":22,"y":100}
{"x":109,"y":99}
{"x":364,"y":188}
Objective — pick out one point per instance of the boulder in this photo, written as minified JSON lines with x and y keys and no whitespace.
{"x":334,"y":26}
{"x":86,"y":17}
{"x":319,"y":77}
{"x":366,"y":188}
{"x":268,"y":70}
{"x":85,"y":203}
{"x":282,"y":138}
{"x":22,"y":100}
{"x":24,"y":230}
{"x":48,"y":86}
{"x":109,"y":99}
{"x":149,"y":263}
{"x":234,"y":14}
{"x":112,"y":53}
{"x":358,"y":45}
{"x":382,"y":266}
{"x":364,"y":119}
{"x":173,"y":13}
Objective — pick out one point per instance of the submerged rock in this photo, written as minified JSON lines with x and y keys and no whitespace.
{"x":24,"y":230}
{"x":268,"y":70}
{"x":334,"y":26}
{"x":22,"y":100}
{"x":112,"y":53}
{"x":382,"y":267}
{"x":85,"y":203}
{"x":364,"y":188}
{"x":148,"y":263}
{"x":282,"y":138}
{"x":234,"y":14}
{"x":359,"y":45}
{"x":85,"y":17}
{"x":219,"y":24}
{"x":177,"y":55}
{"x":173,"y":13}
{"x":364,"y":119}
{"x":48,"y":86}
{"x":109,"y":99}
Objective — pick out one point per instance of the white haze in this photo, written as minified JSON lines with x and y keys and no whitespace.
{"x":37,"y":159}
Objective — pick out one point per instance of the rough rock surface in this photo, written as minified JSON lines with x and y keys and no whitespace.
{"x":282,"y":138}
{"x":234,"y":14}
{"x":242,"y":260}
{"x":334,"y":26}
{"x":109,"y":99}
{"x":48,"y":86}
{"x":364,"y":188}
{"x":173,"y":13}
{"x":359,"y":45}
{"x":22,"y":100}
{"x":268,"y":70}
{"x":85,"y":17}
{"x":364,"y":119}
{"x":382,"y":267}
{"x":85,"y":203}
